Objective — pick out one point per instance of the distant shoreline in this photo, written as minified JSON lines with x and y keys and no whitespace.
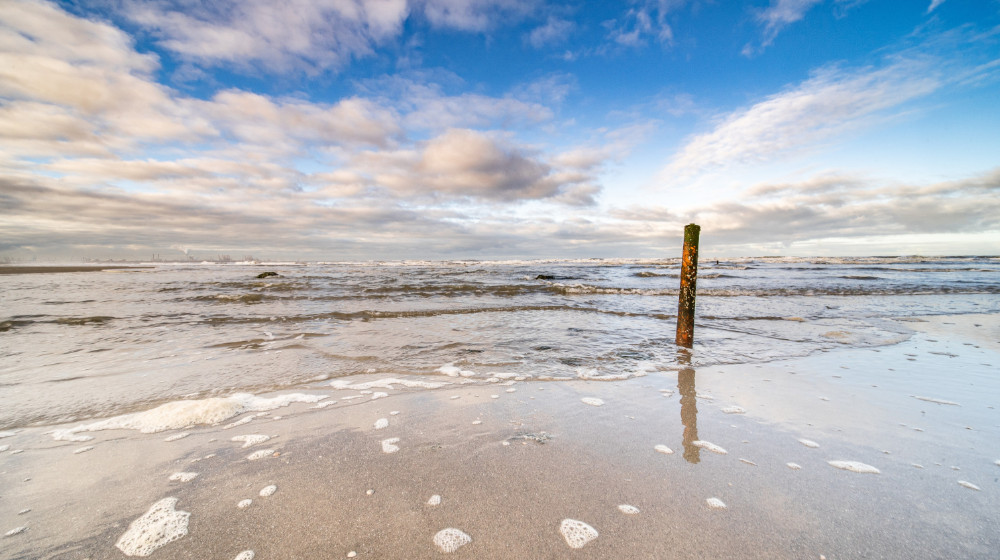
{"x":54,"y":269}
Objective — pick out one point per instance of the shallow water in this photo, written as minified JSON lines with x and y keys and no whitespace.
{"x":83,"y":345}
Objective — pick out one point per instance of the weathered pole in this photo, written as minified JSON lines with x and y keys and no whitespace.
{"x":689,"y":276}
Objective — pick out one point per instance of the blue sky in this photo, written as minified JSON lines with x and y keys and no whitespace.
{"x":388,"y":129}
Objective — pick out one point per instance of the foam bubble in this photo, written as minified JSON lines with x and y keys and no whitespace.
{"x":244,"y":504}
{"x":176,"y":437}
{"x":452,"y":371}
{"x":793,"y":466}
{"x":855,"y":466}
{"x":809,"y":443}
{"x":749,"y":462}
{"x":512,"y":390}
{"x":24,"y":511}
{"x":734,"y":410}
{"x":179,"y":414}
{"x":183,"y":476}
{"x":592,"y":401}
{"x":709,"y":446}
{"x":245,"y":555}
{"x":494,"y":396}
{"x":968,"y":485}
{"x":250,"y":440}
{"x":15,"y":531}
{"x":389,"y":445}
{"x":352,"y":554}
{"x":453,"y":397}
{"x":387,"y":383}
{"x":260,"y":454}
{"x":715,"y":503}
{"x":379,"y":395}
{"x":393,"y":412}
{"x":476,"y":422}
{"x":238,"y":423}
{"x":577,"y":533}
{"x":324,"y":404}
{"x":160,"y":525}
{"x":628,"y":510}
{"x":434,"y":500}
{"x":268,"y":491}
{"x":451,"y":539}
{"x":83,"y":450}
{"x":381,"y":423}
{"x":663,"y":449}
{"x":997,"y":462}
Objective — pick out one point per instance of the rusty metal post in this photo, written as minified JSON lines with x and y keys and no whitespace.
{"x":689,"y":276}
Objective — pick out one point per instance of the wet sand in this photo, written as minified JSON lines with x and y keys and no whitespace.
{"x":923,"y":413}
{"x":56,"y":269}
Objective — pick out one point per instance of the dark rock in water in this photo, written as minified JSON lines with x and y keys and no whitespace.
{"x":545,"y":277}
{"x":267,"y":274}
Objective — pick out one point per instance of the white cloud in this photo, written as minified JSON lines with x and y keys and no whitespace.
{"x":934,"y":4}
{"x":778,"y":15}
{"x":647,"y":19}
{"x":475,"y":15}
{"x":554,"y":31}
{"x":829,"y":103}
{"x":308,"y":35}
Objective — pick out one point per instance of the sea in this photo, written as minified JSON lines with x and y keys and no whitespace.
{"x":85,"y":345}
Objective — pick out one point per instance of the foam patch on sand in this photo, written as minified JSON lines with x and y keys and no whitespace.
{"x":183,"y":476}
{"x":749,"y":462}
{"x":577,"y":533}
{"x":938,"y":401}
{"x":592,"y":401}
{"x":244,"y":504}
{"x":453,"y":371}
{"x":240,"y":422}
{"x":628,"y":510}
{"x":179,"y":414}
{"x":968,"y":485}
{"x":83,"y":450}
{"x":663,"y":449}
{"x":734,"y":410}
{"x":268,"y":491}
{"x":160,"y":525}
{"x":7,"y":433}
{"x":260,"y":454}
{"x":855,"y":466}
{"x":387,"y":383}
{"x":323,"y":404}
{"x":4,"y":448}
{"x":245,"y":555}
{"x":434,"y":500}
{"x":793,"y":466}
{"x":176,"y":437}
{"x":449,"y":540}
{"x":709,"y":446}
{"x":15,"y":531}
{"x":389,"y":445}
{"x":715,"y":503}
{"x":251,"y":439}
{"x":379,"y":395}
{"x":809,"y":443}
{"x":381,"y":423}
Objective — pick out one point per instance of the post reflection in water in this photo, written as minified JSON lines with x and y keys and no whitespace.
{"x":689,"y":412}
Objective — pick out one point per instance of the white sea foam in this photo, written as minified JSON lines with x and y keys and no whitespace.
{"x":160,"y":525}
{"x":393,"y":412}
{"x":628,"y":510}
{"x":389,"y":445}
{"x":968,"y":485}
{"x":183,"y":476}
{"x":245,"y":555}
{"x":734,"y":410}
{"x":268,"y":491}
{"x":379,"y":395}
{"x":663,"y":449}
{"x":17,"y":451}
{"x":7,"y":434}
{"x":15,"y":531}
{"x":240,"y":422}
{"x":592,"y":401}
{"x":715,"y":503}
{"x":511,"y":390}
{"x":434,"y":500}
{"x":577,"y":533}
{"x":244,"y":504}
{"x":938,"y":401}
{"x":83,"y":449}
{"x":176,"y":437}
{"x":453,"y":371}
{"x":179,"y":414}
{"x":451,"y":539}
{"x":324,"y":404}
{"x":709,"y":446}
{"x":251,"y":440}
{"x":793,"y":466}
{"x":381,"y":423}
{"x":748,"y":461}
{"x":4,"y":448}
{"x":476,"y":422}
{"x":453,"y":397}
{"x":809,"y":443}
{"x":260,"y":454}
{"x":855,"y":466}
{"x":387,"y":383}
{"x":494,"y":396}
{"x":24,"y":511}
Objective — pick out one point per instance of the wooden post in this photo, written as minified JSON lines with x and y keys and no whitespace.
{"x":689,"y":276}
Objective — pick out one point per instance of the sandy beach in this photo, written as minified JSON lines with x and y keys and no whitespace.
{"x":512,"y":460}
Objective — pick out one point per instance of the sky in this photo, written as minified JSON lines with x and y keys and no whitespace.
{"x":497,"y":129}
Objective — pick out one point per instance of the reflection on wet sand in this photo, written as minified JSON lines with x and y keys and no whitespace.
{"x":689,"y":414}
